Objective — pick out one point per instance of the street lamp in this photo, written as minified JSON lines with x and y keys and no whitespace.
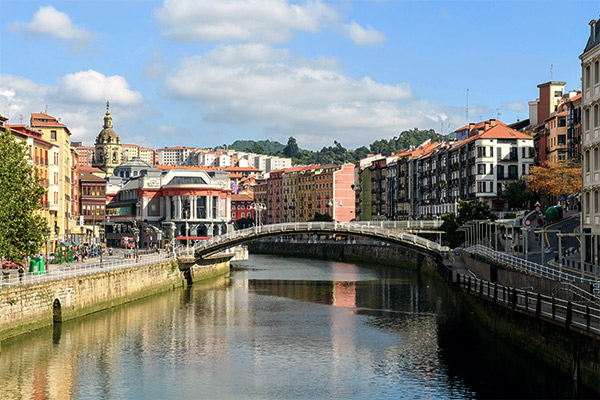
{"x":333,"y":203}
{"x":136,"y":232}
{"x":259,"y":207}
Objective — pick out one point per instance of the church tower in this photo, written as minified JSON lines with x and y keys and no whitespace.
{"x":109,"y":152}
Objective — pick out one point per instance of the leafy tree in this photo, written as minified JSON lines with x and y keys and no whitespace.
{"x":467,"y":211}
{"x":291,"y":150}
{"x":321,"y":218}
{"x":450,"y":226}
{"x":22,"y":228}
{"x":243,"y":223}
{"x":257,"y":148}
{"x":516,"y":194}
{"x":555,"y":179}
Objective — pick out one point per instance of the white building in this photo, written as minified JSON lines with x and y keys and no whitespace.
{"x":590,"y":143}
{"x":176,"y":155}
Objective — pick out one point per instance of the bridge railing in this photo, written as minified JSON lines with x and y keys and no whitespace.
{"x":523,"y":265}
{"x":571,"y":314}
{"x":348,"y":228}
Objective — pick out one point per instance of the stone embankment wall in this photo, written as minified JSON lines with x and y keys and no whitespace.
{"x":396,"y":255}
{"x":27,"y":307}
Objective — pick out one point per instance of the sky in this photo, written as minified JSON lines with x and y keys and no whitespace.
{"x":204,"y":73}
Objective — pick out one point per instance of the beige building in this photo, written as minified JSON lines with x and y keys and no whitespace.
{"x":590,"y":141}
{"x":58,"y":134}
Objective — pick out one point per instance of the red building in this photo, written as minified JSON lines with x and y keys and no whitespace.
{"x":242,"y":206}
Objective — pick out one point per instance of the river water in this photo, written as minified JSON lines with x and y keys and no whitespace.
{"x":280,"y":328}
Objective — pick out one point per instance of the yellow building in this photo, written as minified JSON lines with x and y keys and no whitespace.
{"x":58,"y":134}
{"x":41,"y":153}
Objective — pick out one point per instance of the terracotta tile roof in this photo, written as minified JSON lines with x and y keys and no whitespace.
{"x":252,"y":169}
{"x":242,"y":197}
{"x":35,"y":120}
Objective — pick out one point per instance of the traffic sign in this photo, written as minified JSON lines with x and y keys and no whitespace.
{"x":527,"y":222}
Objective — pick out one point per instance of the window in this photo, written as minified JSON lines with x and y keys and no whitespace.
{"x":587,"y":77}
{"x":52,"y":135}
{"x":480,"y":169}
{"x":557,"y":93}
{"x":523,"y":169}
{"x":586,"y":119}
{"x":596,"y":73}
{"x":587,"y":161}
{"x":596,"y":161}
{"x":596,"y":116}
{"x":499,"y":153}
{"x":56,"y":178}
{"x":596,"y":201}
{"x":500,"y":171}
{"x":512,"y":171}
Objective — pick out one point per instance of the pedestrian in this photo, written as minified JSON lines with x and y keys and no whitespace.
{"x":5,"y":274}
{"x":21,"y":271}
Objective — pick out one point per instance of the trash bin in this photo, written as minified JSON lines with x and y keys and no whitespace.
{"x":33,"y":265}
{"x":41,"y":269}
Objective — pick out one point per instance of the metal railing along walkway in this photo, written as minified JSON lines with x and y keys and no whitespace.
{"x":529,"y":267}
{"x":66,"y":271}
{"x":571,"y":314}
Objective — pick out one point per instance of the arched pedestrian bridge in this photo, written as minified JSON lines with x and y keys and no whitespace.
{"x":397,"y":232}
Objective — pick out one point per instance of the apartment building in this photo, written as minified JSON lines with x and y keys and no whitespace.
{"x":590,"y":144}
{"x":58,"y":134}
{"x":178,"y":155}
{"x":86,"y":155}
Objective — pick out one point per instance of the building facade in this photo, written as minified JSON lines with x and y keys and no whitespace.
{"x":590,"y":144}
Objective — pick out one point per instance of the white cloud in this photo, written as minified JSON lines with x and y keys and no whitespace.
{"x":73,"y":100}
{"x":515,"y":106}
{"x":48,"y":21}
{"x":362,"y":36}
{"x":92,"y":87}
{"x":271,"y":21}
{"x":311,"y":99}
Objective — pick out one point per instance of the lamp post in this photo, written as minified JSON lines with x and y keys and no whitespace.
{"x":136,"y":232}
{"x":333,"y":203}
{"x":259,"y":207}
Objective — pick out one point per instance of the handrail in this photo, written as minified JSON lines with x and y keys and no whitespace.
{"x":71,"y":270}
{"x":570,"y":313}
{"x":526,"y":266}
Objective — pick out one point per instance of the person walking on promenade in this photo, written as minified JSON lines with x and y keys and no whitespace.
{"x":21,"y":271}
{"x":5,"y":275}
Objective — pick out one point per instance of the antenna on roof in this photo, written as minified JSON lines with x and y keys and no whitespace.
{"x":498,"y":114}
{"x":517,"y":115}
{"x":467,"y":107}
{"x":21,"y":118}
{"x":46,"y":111}
{"x":551,"y":66}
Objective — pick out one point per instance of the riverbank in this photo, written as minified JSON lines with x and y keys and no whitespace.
{"x":27,"y":307}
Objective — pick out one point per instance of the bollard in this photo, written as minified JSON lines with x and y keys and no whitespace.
{"x":526,"y":300}
{"x":553,"y":307}
{"x":495,"y":292}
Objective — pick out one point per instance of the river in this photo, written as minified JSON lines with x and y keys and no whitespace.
{"x":280,"y":328}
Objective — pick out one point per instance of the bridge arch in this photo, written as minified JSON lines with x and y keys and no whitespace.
{"x":378,"y":232}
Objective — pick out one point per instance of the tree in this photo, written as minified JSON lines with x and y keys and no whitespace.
{"x":22,"y":228}
{"x":291,"y":150}
{"x":257,"y":148}
{"x":467,"y":211}
{"x":516,"y":194}
{"x":321,"y":218}
{"x":555,"y":179}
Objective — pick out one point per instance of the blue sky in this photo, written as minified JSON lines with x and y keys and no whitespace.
{"x":204,"y":73}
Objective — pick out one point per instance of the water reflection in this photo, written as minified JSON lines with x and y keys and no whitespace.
{"x":282,"y":328}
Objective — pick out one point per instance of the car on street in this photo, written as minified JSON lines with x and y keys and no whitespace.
{"x":10,"y":264}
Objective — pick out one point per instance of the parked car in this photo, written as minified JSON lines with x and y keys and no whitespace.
{"x":10,"y":264}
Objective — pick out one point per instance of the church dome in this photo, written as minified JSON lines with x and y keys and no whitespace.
{"x":108,"y":134}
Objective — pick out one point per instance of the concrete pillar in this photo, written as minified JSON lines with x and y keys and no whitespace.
{"x":209,"y":215}
{"x":178,"y":207}
{"x":167,"y":201}
{"x":193,"y":201}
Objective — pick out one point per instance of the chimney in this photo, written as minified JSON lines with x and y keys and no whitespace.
{"x":593,"y":30}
